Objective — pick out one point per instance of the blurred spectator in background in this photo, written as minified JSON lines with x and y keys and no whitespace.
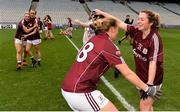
{"x":48,"y":23}
{"x":40,"y":26}
{"x":45,"y":24}
{"x":69,"y":29}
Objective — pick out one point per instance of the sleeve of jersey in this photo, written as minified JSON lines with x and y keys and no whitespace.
{"x":154,"y":48}
{"x":131,"y":30}
{"x":112,"y":55}
{"x":20,"y":25}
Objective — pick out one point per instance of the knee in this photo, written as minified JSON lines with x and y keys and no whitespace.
{"x":145,"y":106}
{"x":19,"y":51}
{"x":37,"y":51}
{"x":27,"y":50}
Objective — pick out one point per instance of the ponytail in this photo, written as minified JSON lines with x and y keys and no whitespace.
{"x":103,"y":25}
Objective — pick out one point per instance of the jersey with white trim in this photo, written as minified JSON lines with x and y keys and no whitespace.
{"x":31,"y":23}
{"x":92,"y":61}
{"x":20,"y":32}
{"x":146,"y":50}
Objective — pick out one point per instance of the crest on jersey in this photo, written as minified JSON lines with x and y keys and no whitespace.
{"x":144,"y":51}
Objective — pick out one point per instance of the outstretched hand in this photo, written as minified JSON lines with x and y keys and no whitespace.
{"x":153,"y":92}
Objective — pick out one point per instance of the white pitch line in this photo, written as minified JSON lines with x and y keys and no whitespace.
{"x":110,"y":86}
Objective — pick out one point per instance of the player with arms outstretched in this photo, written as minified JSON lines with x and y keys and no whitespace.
{"x":147,"y":50}
{"x":79,"y":86}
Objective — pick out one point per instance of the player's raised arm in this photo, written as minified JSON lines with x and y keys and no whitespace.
{"x":82,"y":24}
{"x":121,"y":24}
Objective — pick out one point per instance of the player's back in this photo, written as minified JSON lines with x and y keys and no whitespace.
{"x":89,"y":65}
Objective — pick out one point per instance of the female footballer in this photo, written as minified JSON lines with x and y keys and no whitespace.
{"x":147,"y":50}
{"x":79,"y":86}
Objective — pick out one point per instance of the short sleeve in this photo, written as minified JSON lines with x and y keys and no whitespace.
{"x":112,"y":55}
{"x":132,"y":30}
{"x":155,"y":49}
{"x":20,"y":25}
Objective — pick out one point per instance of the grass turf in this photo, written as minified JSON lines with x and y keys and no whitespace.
{"x":39,"y":88}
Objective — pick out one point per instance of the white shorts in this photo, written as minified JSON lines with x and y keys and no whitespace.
{"x":45,"y":28}
{"x":40,"y":31}
{"x":92,"y":101}
{"x":34,"y":42}
{"x":17,"y":41}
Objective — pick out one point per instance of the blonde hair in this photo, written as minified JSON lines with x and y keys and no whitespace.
{"x":27,"y":12}
{"x":101,"y":25}
{"x":33,"y":11}
{"x":153,"y":18}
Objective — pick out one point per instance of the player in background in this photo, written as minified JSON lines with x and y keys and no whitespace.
{"x":68,"y":31}
{"x":88,"y":28}
{"x":48,"y":22}
{"x":130,"y":22}
{"x":20,"y":40}
{"x":45,"y":24}
{"x":34,"y":40}
{"x":40,"y":26}
{"x":147,"y":50}
{"x":79,"y":86}
{"x":50,"y":26}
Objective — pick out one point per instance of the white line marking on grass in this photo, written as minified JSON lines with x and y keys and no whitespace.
{"x":72,"y":43}
{"x":118,"y":95}
{"x":110,"y":86}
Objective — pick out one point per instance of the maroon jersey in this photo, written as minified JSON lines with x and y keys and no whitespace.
{"x":40,"y":25}
{"x":146,"y":50}
{"x":20,"y":31}
{"x":49,"y":26}
{"x":69,"y":22}
{"x":31,"y":23}
{"x":92,"y":61}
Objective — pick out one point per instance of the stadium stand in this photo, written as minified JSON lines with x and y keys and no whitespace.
{"x":115,"y":9}
{"x":173,"y":7}
{"x":167,"y":17}
{"x":12,"y":10}
{"x":59,"y":10}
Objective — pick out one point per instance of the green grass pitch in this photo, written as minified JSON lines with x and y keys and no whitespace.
{"x":39,"y":88}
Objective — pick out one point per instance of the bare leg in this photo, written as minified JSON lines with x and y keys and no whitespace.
{"x":109,"y":107}
{"x":18,"y":55}
{"x":28,"y":50}
{"x":38,"y":53}
{"x":147,"y":104}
